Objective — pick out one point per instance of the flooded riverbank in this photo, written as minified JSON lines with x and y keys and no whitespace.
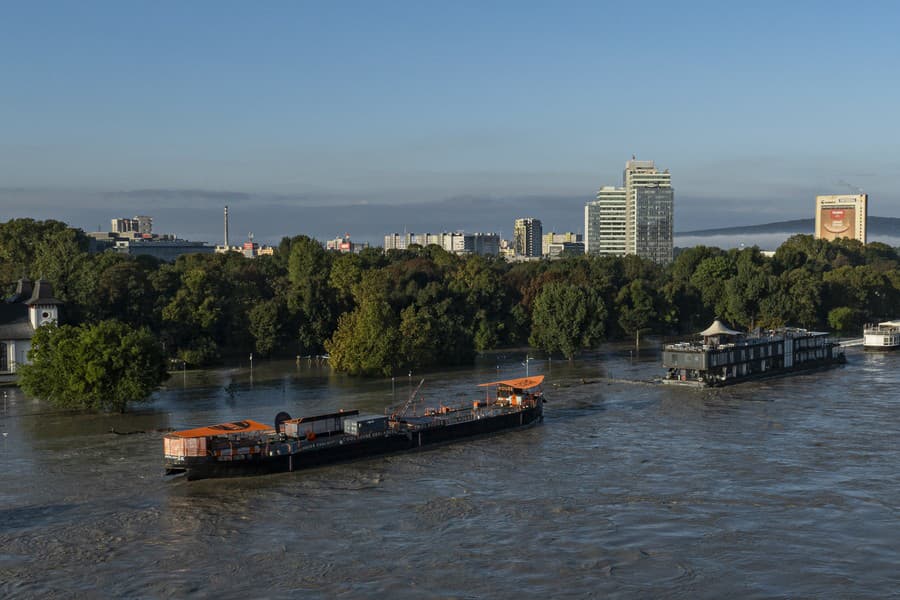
{"x":779,"y":488}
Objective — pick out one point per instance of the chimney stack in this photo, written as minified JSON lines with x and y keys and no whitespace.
{"x":226,"y":227}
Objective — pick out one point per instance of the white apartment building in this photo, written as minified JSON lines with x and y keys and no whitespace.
{"x":456,"y":242}
{"x":604,"y":223}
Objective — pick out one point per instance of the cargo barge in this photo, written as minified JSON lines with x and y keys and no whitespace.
{"x":725,"y":356}
{"x":250,"y":448}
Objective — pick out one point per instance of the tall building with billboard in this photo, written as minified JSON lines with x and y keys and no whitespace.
{"x":637,"y":218}
{"x":841,"y":216}
{"x":528,"y":234}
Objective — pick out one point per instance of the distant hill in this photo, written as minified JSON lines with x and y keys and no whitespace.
{"x":877,"y":226}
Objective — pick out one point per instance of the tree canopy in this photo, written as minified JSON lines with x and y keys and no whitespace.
{"x":101,"y":366}
{"x":381,"y":312}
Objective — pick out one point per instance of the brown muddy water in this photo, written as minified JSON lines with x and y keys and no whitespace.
{"x":785,"y":488}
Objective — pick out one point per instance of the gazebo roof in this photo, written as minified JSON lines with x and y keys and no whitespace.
{"x":718,"y":328}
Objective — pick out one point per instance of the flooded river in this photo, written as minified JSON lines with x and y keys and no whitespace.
{"x":786,"y":488}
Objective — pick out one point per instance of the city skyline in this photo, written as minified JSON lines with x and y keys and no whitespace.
{"x":316,"y":119}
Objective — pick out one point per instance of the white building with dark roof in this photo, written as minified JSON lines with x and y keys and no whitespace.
{"x":31,"y":306}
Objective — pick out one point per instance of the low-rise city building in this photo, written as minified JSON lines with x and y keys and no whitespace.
{"x":553,"y":239}
{"x":485,"y":244}
{"x":135,"y":237}
{"x":346,"y":245}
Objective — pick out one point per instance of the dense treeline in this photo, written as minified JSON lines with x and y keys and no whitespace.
{"x":378,"y":313}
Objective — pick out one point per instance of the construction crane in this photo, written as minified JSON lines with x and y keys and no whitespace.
{"x":409,"y":402}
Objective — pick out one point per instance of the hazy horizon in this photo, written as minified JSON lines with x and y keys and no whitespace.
{"x":198,"y":214}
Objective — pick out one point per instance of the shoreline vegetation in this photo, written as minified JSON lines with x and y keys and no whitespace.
{"x":376,"y":313}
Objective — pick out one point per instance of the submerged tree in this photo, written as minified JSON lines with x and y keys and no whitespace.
{"x":566,"y":319}
{"x":104,"y":366}
{"x":366,"y":341}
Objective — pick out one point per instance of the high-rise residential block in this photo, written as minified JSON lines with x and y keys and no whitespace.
{"x":649,"y":218}
{"x":527,"y":234}
{"x":604,"y":222}
{"x":635,"y":219}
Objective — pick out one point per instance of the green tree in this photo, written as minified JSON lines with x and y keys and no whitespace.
{"x":366,"y":341}
{"x":746,"y":288}
{"x":844,"y":319}
{"x":434,"y":333}
{"x":265,"y":326}
{"x":311,"y":298}
{"x":566,"y":318}
{"x":121,"y":290}
{"x":101,"y":366}
{"x":478,"y":282}
{"x":635,"y":307}
{"x":20,"y":242}
{"x":710,"y":278}
{"x":60,"y":257}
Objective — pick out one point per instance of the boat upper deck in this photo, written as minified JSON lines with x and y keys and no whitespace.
{"x":746,"y":341}
{"x":884,"y":327}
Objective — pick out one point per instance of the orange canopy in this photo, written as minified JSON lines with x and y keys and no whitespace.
{"x":523,"y":383}
{"x":245,"y":426}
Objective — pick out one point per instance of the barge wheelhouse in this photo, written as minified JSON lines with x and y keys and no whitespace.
{"x":724,"y":356}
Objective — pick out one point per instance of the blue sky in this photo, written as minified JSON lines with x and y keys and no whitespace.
{"x":273,"y":107}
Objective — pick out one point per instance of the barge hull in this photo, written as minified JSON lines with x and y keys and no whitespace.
{"x":352,"y":449}
{"x":805,"y":368}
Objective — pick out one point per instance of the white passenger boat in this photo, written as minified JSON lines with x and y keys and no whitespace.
{"x":882,"y":336}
